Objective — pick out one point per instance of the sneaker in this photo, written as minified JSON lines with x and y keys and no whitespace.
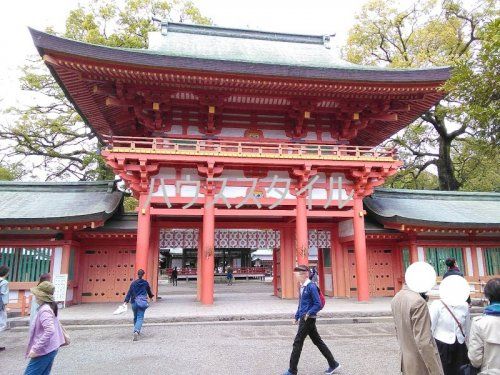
{"x":287,"y":373}
{"x":136,"y":336}
{"x":333,"y":370}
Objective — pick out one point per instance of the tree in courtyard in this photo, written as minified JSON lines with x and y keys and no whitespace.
{"x":458,"y":133}
{"x":49,"y":133}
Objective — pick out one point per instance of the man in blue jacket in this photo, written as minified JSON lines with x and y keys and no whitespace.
{"x":305,"y":317}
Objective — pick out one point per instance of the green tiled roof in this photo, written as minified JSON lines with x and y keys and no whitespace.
{"x":435,"y":208}
{"x":215,"y":43}
{"x":55,"y":202}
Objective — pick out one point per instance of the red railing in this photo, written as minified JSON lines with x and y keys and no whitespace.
{"x":255,"y":149}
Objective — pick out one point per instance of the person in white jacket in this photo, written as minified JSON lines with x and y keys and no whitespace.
{"x":484,"y":342}
{"x":450,"y":324}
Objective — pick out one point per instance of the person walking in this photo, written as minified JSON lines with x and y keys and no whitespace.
{"x":4,"y":299}
{"x":305,"y":317}
{"x":46,"y":333}
{"x":419,"y":353}
{"x":229,"y":275}
{"x":484,"y":341}
{"x":450,"y":324}
{"x":34,"y":305}
{"x":174,"y":276}
{"x":137,"y":295}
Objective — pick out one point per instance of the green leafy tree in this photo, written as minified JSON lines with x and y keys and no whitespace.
{"x":429,"y":34}
{"x":50,"y":134}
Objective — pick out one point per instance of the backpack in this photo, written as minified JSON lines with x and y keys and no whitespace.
{"x":322,"y":299}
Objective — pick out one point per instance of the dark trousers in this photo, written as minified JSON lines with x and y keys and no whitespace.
{"x":174,"y":280}
{"x":308,"y":327}
{"x":453,"y":356}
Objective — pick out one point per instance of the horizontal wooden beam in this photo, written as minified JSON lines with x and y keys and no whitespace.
{"x":227,"y":212}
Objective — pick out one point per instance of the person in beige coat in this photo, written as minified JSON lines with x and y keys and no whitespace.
{"x":419,"y":353}
{"x":484,"y":342}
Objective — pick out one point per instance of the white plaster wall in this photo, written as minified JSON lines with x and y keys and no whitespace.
{"x":327,"y":137}
{"x":176,"y":129}
{"x":193,"y":130}
{"x":57,"y":261}
{"x":328,"y":282}
{"x":232,"y":132}
{"x":69,"y":294}
{"x":480,"y":261}
{"x":468,"y":256}
{"x":421,"y":254}
{"x":278,"y":134}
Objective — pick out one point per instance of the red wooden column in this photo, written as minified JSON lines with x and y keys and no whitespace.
{"x":66,"y":252}
{"x":208,"y":241}
{"x":360,"y":250}
{"x":154,"y":257}
{"x":143,"y":235}
{"x":199,"y":267}
{"x":321,"y":270}
{"x":287,"y":263}
{"x":413,"y":249}
{"x":338,"y":268}
{"x":301,"y":233}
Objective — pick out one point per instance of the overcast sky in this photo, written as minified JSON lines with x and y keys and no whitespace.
{"x":310,"y":17}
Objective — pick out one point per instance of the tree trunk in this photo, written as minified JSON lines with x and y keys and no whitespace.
{"x":446,"y":173}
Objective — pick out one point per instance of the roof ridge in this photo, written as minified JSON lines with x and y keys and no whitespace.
{"x":443,"y":193}
{"x":241,"y":33}
{"x":108,"y":185}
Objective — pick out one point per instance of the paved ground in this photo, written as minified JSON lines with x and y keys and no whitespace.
{"x":252,"y":300}
{"x":214,"y":349}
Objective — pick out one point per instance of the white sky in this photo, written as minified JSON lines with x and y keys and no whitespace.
{"x":297,"y":16}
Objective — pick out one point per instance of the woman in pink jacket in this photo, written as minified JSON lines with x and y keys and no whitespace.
{"x":46,"y":334}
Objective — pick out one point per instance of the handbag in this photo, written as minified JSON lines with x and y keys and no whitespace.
{"x":142,"y":302}
{"x":468,"y":369}
{"x":67,"y":338}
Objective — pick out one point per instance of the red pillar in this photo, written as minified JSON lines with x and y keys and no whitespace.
{"x":321,"y":270}
{"x":143,"y":235}
{"x":301,"y":233}
{"x":413,"y":250}
{"x":360,"y":250}
{"x":287,"y":263}
{"x":199,"y":267}
{"x":207,"y":291}
{"x":339,"y":287}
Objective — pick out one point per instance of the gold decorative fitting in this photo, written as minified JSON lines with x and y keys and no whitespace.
{"x":143,"y":211}
{"x":211,"y":109}
{"x":156,"y":106}
{"x":355,"y":116}
{"x":307,"y":114}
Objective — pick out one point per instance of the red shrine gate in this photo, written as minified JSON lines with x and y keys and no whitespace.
{"x":200,"y":139}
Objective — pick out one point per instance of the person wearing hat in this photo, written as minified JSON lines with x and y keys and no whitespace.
{"x":419,"y":353}
{"x":34,"y":305}
{"x":305,"y":317}
{"x":46,"y":334}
